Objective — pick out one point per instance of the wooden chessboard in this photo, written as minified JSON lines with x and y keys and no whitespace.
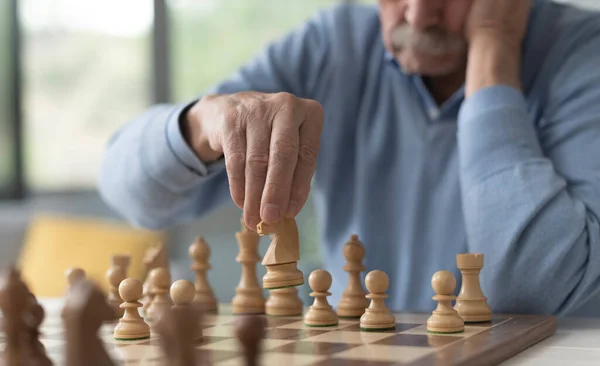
{"x":289,"y":342}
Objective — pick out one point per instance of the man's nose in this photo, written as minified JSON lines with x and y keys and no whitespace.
{"x":422,"y":14}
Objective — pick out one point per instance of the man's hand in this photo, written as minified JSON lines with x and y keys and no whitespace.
{"x":495,"y":30}
{"x":270,"y":143}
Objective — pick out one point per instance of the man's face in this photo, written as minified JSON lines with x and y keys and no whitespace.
{"x":426,"y":36}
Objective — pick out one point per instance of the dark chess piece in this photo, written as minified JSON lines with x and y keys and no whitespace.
{"x":178,"y":328}
{"x":35,"y":316}
{"x":85,"y":311}
{"x":250,"y":331}
{"x":14,"y":300}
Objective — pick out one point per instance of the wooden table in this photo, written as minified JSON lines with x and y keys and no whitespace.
{"x":576,"y":342}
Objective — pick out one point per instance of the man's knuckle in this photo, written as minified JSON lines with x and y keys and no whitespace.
{"x":285,"y":148}
{"x":273,"y":188}
{"x":285,"y":98}
{"x":257,"y":161}
{"x":307,"y":154}
{"x":231,"y":117}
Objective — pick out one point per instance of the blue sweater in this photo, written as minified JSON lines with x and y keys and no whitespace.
{"x":513,"y":175}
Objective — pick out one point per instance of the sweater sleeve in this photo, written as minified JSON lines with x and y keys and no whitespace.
{"x":531,"y":189}
{"x":151,"y":177}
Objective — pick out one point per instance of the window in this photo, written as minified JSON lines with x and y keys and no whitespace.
{"x":8,"y":143}
{"x":86,"y":68}
{"x":211,"y":38}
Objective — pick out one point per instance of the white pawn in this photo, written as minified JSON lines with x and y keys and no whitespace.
{"x":160,"y":280}
{"x":320,"y":313}
{"x":377,"y":316}
{"x":131,"y":326}
{"x":182,"y":294}
{"x":444,"y":318}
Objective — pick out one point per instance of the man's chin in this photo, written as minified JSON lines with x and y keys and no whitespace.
{"x":412,"y":62}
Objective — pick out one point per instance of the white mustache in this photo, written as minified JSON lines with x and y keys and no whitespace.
{"x":434,"y":41}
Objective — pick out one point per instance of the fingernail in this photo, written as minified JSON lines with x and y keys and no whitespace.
{"x":291,"y":211}
{"x":252,"y":222}
{"x":271,"y":212}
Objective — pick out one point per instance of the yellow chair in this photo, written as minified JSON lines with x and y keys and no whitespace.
{"x":55,"y":243}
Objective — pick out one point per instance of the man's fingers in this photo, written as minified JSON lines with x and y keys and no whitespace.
{"x":282,"y":158}
{"x":258,"y":134}
{"x":234,"y":151}
{"x":310,"y":137}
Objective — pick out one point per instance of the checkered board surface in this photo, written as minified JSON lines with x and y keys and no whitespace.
{"x":289,"y":342}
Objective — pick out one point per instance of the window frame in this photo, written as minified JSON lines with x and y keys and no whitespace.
{"x":15,"y":190}
{"x":160,"y":84}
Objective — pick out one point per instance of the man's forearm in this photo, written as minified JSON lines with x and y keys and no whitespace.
{"x":492,"y":62}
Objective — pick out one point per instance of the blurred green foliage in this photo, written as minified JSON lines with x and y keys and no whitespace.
{"x":210,"y":39}
{"x":6,"y":99}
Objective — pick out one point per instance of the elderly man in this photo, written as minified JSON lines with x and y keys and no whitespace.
{"x":430,"y":127}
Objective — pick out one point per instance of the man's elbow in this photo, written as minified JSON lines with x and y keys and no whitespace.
{"x":544,"y":296}
{"x":135,"y":203}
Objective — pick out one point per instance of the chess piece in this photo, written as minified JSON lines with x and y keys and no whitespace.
{"x":131,"y":326}
{"x":282,"y":255}
{"x":444,"y":318}
{"x":160,"y":280}
{"x":320,"y":313}
{"x":177,"y":327}
{"x":14,"y":298}
{"x":353,"y":302}
{"x":248,"y":297}
{"x":377,"y":316}
{"x":115,"y":275}
{"x":284,"y":302}
{"x":121,"y":260}
{"x":85,"y":312}
{"x":155,"y":257}
{"x":250,"y":331}
{"x":73,"y":275}
{"x":182,"y":293}
{"x":471,"y":304}
{"x":199,"y":252}
{"x":35,"y":318}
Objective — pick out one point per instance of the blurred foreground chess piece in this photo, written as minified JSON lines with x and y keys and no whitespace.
{"x":178,"y":328}
{"x":85,"y":311}
{"x":250,"y":332}
{"x":199,"y":252}
{"x":34,"y":320}
{"x":444,"y":318}
{"x":182,"y":293}
{"x":248,"y":297}
{"x":14,"y":299}
{"x":320,"y":313}
{"x":73,"y":275}
{"x":377,"y":316}
{"x":131,"y":326}
{"x":353,"y":302}
{"x":471,"y":304}
{"x":282,"y":255}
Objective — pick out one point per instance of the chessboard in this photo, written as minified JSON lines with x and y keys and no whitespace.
{"x":289,"y":342}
